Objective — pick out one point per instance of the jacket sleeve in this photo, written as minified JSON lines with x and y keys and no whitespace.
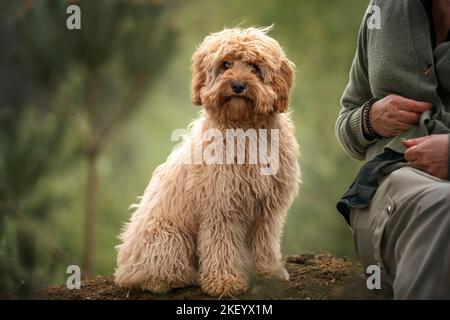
{"x":348,"y":128}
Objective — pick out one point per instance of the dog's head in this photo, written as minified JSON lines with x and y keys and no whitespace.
{"x":238,"y":73}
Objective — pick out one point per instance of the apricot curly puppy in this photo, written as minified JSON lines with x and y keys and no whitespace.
{"x":205,"y":222}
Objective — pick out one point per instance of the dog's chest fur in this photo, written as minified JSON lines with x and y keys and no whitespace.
{"x":243,"y":187}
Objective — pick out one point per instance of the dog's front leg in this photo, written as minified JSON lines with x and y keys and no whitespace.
{"x":265,"y":237}
{"x":223,"y":255}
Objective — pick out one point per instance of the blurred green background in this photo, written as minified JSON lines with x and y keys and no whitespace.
{"x":86,"y":116}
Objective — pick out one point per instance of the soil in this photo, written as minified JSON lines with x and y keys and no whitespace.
{"x":312,"y":276}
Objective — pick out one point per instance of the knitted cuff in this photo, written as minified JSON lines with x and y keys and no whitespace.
{"x":355,"y":127}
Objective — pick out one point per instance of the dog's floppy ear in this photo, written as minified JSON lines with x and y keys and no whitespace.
{"x":198,"y":77}
{"x":282,"y":85}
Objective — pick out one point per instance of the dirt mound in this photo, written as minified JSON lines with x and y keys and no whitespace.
{"x":312,"y":276}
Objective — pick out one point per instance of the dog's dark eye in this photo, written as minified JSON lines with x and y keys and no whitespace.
{"x":255,"y":68}
{"x":226,"y":65}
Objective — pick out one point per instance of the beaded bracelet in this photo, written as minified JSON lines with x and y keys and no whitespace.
{"x":370,"y":134}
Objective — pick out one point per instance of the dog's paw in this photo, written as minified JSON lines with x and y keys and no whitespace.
{"x":282,"y":274}
{"x":156,"y":286}
{"x":278,"y":273}
{"x":224,"y":286}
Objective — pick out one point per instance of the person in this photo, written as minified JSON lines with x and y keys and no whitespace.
{"x":396,"y":116}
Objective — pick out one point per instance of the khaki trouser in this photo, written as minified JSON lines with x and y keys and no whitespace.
{"x":406,"y":230}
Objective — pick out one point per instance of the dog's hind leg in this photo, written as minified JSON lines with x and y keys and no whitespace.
{"x":158,"y":258}
{"x":265,"y":237}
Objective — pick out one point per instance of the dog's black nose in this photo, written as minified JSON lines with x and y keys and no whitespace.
{"x":237,"y":86}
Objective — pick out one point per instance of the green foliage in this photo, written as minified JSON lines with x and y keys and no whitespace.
{"x":29,"y":153}
{"x":78,"y":87}
{"x":131,"y":31}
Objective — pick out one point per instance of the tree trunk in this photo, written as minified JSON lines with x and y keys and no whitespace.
{"x":92,"y":154}
{"x":90,"y":214}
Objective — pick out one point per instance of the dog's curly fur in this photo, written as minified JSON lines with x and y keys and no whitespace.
{"x":200,"y":224}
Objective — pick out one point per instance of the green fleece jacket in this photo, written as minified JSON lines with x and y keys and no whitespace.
{"x":395,"y":55}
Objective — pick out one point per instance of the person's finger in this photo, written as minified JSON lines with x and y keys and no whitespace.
{"x":403,"y":126}
{"x":413,"y":142}
{"x":411,"y":154}
{"x":413,"y":105}
{"x":408,"y":116}
{"x":416,"y":165}
{"x":399,"y":128}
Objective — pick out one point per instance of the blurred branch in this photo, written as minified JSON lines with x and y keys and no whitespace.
{"x":25,"y":224}
{"x":130,"y":103}
{"x":70,"y":116}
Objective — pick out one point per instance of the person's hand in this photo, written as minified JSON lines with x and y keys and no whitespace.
{"x":393,"y":115}
{"x":429,"y":154}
